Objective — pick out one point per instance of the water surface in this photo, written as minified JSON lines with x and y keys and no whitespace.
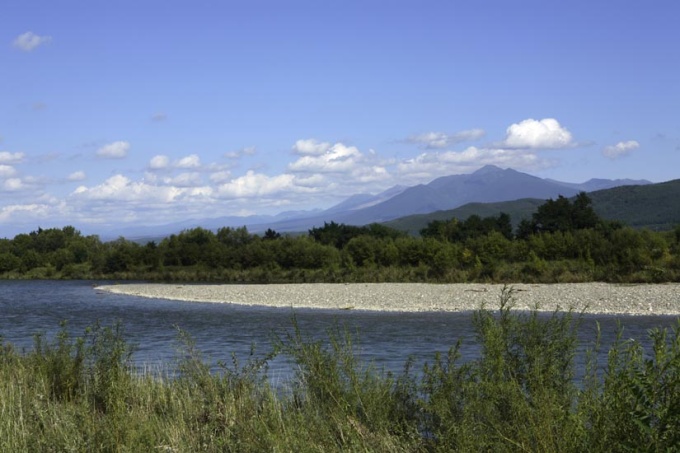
{"x":387,"y":338}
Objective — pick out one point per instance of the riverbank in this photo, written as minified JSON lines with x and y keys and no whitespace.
{"x":643,"y":299}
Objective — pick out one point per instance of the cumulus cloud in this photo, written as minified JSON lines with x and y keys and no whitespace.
{"x":256,"y":185}
{"x":121,"y":188}
{"x":434,"y":164}
{"x":313,"y":181}
{"x":159,"y":162}
{"x":191,"y":161}
{"x":13,"y":184}
{"x":310,"y":146}
{"x":11,"y":158}
{"x":115,"y":150}
{"x":7,"y":171}
{"x":76,"y":176}
{"x":621,"y":149}
{"x":29,"y":41}
{"x":34,"y":210}
{"x":220,"y":176}
{"x":247,"y":151}
{"x":370,"y":174}
{"x":190,"y":179}
{"x":438,"y":140}
{"x":318,"y":173}
{"x":537,"y":134}
{"x":336,"y":159}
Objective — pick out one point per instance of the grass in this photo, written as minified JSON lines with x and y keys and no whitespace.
{"x":81,"y":394}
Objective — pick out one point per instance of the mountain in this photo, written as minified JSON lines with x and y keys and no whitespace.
{"x":489,"y":184}
{"x":600,"y":184}
{"x":653,"y":206}
{"x":362,"y":201}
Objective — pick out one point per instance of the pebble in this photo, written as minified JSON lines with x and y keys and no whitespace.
{"x":661,"y":299}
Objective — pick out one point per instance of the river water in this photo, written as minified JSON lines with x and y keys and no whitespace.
{"x":220,"y":330}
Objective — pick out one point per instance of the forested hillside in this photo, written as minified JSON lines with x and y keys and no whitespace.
{"x":654,"y":206}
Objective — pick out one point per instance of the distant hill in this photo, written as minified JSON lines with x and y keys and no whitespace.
{"x":517,"y":210}
{"x":653,"y":206}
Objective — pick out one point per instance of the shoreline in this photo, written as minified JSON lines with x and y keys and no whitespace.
{"x":591,"y":298}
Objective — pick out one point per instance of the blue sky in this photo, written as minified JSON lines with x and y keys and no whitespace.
{"x":148,"y":112}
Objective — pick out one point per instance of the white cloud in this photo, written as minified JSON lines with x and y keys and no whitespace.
{"x":318,"y":173}
{"x":7,"y":171}
{"x":159,"y":162}
{"x":76,"y":176}
{"x":121,"y":188}
{"x":247,"y":151}
{"x":220,"y":176}
{"x":191,"y":161}
{"x":370,"y":174}
{"x":29,"y":41}
{"x":310,"y":146}
{"x":115,"y":150}
{"x":13,"y":184}
{"x":428,"y":166}
{"x":438,"y":140}
{"x":542,"y":134}
{"x":315,"y":180}
{"x":11,"y":158}
{"x":621,"y":149}
{"x":336,"y":159}
{"x":191,"y":179}
{"x":8,"y":213}
{"x":256,"y":184}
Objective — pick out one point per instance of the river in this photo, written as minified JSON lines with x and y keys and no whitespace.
{"x":220,"y":330}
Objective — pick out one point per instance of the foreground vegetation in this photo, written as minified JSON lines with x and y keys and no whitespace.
{"x":81,"y":394}
{"x":564,"y":241}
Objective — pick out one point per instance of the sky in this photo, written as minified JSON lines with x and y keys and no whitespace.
{"x":149,"y":112}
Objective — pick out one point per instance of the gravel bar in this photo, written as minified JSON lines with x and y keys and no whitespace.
{"x":633,"y":299}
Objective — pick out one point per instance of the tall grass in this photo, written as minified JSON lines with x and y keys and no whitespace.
{"x":82,"y":394}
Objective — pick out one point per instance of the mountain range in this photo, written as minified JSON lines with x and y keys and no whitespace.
{"x":651,"y":206}
{"x":489,"y":184}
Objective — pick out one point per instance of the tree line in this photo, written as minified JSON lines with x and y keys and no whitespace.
{"x":564,"y":241}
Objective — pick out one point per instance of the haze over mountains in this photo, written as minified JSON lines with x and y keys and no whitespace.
{"x":487,"y":185}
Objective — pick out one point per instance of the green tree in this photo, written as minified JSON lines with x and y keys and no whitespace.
{"x":9,"y":262}
{"x":271,"y":235}
{"x":561,"y":215}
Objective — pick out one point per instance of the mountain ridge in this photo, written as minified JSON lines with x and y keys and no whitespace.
{"x":654,"y":206}
{"x":488,"y":184}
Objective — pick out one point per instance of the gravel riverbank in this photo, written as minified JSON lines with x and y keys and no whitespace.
{"x":662,"y":299}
